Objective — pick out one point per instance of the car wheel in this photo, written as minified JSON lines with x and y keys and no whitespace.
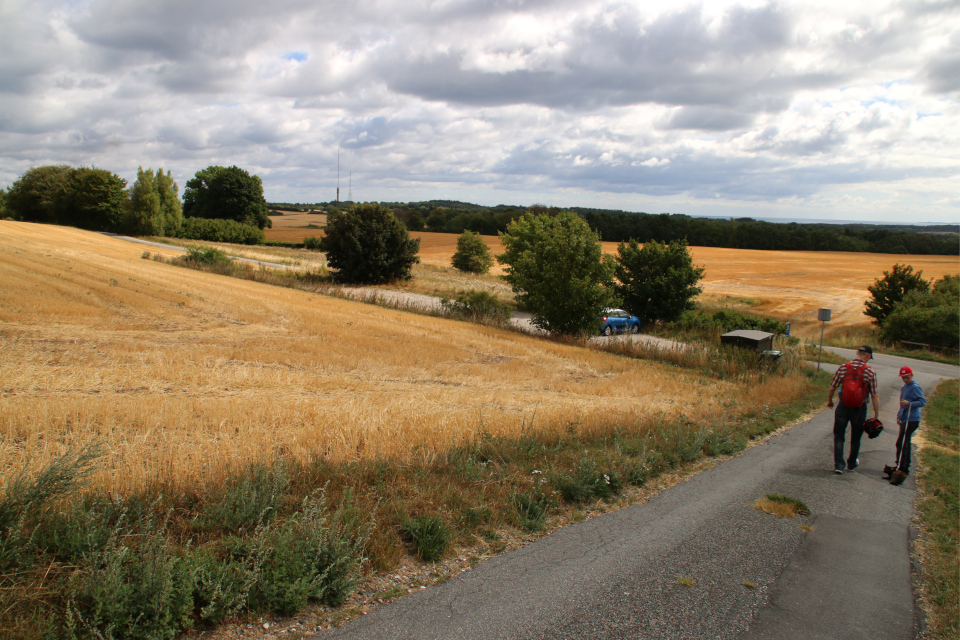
{"x":635,"y":328}
{"x":607,"y":330}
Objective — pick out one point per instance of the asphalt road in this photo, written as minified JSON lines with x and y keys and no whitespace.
{"x":753,"y":575}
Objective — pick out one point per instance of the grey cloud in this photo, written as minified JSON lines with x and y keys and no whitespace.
{"x":708,"y":119}
{"x":674,"y":60}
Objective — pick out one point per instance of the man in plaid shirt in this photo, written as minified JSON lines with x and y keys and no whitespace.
{"x":854,"y":415}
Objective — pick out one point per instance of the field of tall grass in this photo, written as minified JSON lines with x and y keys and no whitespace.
{"x":187,"y":376}
{"x":179,"y":447}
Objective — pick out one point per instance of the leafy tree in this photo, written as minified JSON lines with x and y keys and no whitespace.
{"x":415,"y":222}
{"x":229,"y":193}
{"x":93,"y":199}
{"x":891,"y":289}
{"x":154,"y":207}
{"x":34,"y":196}
{"x":928,"y":316}
{"x":472,"y":254}
{"x":368,"y":244}
{"x":657,"y":281}
{"x":557,"y":269}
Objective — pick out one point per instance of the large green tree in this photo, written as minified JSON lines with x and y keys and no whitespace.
{"x":367,"y":244}
{"x":887,"y":291}
{"x":472,"y":255}
{"x":657,"y":281}
{"x":154,"y":208}
{"x":927,"y":316}
{"x":93,"y":199}
{"x":226,"y":192}
{"x":557,"y":269}
{"x":34,"y":196}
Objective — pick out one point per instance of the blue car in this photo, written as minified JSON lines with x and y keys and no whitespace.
{"x":618,"y":321}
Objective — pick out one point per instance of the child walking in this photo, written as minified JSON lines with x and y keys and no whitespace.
{"x":911,"y":401}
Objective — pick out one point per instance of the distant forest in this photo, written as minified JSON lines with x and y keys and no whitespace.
{"x":450,"y":216}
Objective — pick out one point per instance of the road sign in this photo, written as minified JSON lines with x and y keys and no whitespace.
{"x":823,"y":315}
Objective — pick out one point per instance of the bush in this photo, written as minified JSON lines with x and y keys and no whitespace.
{"x":304,"y":559}
{"x":312,"y":243}
{"x":472,"y":255}
{"x":220,"y":587}
{"x":143,"y":592}
{"x":251,"y":499}
{"x":478,"y":306}
{"x":205,"y":256}
{"x":369,"y":245}
{"x":557,"y":269}
{"x":533,"y":508}
{"x":427,"y":536}
{"x":220,"y":231}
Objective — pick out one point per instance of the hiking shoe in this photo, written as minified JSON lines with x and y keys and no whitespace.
{"x":838,"y":470}
{"x":853,"y":465}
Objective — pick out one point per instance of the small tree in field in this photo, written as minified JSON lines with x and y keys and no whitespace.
{"x":887,"y":291}
{"x":657,"y":281}
{"x":472,"y":254}
{"x":557,"y":269}
{"x":368,"y":244}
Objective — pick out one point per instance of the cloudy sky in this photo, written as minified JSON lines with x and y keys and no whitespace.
{"x":801,"y":109}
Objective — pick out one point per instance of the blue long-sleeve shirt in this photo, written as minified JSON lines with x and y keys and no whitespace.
{"x":913,"y":394}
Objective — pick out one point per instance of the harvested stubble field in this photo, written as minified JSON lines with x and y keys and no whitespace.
{"x":186,"y":376}
{"x":787,"y":285}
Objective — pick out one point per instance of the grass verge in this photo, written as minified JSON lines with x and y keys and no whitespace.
{"x":938,"y":503}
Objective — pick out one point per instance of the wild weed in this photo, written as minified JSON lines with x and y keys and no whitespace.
{"x":427,"y":536}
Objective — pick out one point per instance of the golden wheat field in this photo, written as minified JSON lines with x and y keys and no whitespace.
{"x":788,"y":285}
{"x":184,"y":376}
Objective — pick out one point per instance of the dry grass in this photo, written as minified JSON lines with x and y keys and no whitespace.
{"x":185,"y":376}
{"x":781,"y":506}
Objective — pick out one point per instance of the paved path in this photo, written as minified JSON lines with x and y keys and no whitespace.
{"x":616,"y":576}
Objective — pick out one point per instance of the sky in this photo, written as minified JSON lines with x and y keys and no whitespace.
{"x":808,"y":109}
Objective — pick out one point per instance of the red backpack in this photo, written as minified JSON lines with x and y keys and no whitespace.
{"x":853,"y":393}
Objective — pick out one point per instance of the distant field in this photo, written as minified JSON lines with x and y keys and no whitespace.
{"x":185,"y":375}
{"x":789,"y":285}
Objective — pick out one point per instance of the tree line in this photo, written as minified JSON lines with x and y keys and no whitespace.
{"x":224,"y":204}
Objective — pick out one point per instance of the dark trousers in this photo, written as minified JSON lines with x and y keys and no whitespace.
{"x":903,"y":445}
{"x":855,"y":416}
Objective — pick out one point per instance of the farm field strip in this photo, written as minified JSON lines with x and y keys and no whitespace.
{"x":184,"y":376}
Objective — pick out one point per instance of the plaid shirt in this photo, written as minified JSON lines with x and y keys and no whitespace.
{"x":869,"y":376}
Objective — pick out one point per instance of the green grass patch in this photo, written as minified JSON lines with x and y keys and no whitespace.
{"x":938,"y":503}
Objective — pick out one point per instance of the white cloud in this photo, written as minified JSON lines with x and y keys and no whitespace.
{"x":779,"y":107}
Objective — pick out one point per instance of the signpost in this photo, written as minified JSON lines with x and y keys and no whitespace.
{"x":823,"y":315}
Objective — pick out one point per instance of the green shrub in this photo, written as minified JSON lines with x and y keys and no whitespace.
{"x":251,"y":498}
{"x":428,"y":536}
{"x":586,"y":483}
{"x":125,"y":592}
{"x":220,"y":230}
{"x":478,"y":306}
{"x":304,"y":559}
{"x":532,"y":507}
{"x":82,"y":530}
{"x":205,"y":256}
{"x":220,"y":587}
{"x":312,"y":243}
